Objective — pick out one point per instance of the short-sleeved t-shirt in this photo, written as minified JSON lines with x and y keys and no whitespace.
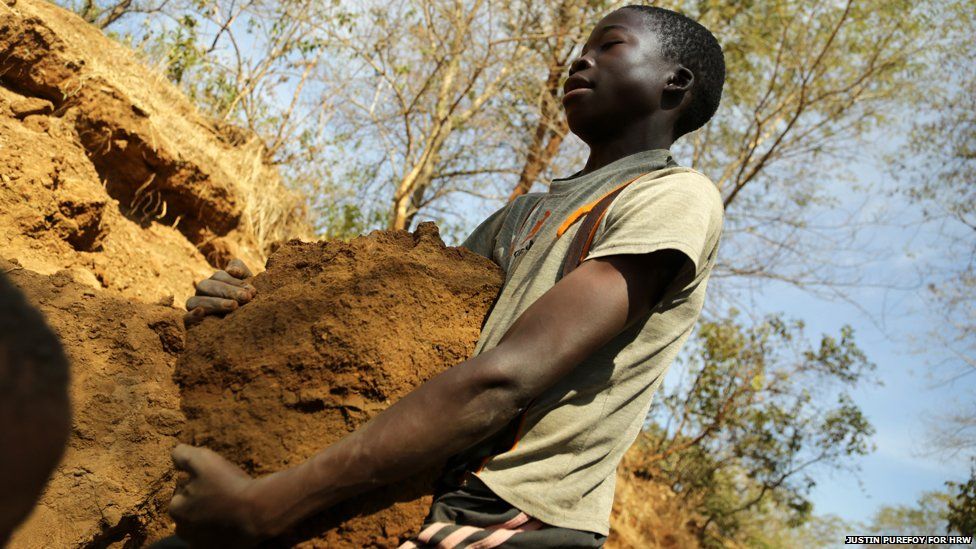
{"x":559,"y":464}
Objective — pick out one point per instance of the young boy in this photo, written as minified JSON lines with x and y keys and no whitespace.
{"x":534,"y":425}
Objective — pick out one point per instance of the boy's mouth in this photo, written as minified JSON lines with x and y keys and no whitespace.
{"x":576,"y":85}
{"x":573,"y":93}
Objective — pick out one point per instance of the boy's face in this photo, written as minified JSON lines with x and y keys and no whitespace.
{"x":619,"y":78}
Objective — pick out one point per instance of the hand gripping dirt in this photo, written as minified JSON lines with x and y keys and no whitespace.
{"x":220,"y":294}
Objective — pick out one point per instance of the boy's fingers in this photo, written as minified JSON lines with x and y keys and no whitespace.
{"x":211,"y":305}
{"x":184,"y":457}
{"x":216,"y":288}
{"x":176,"y":506}
{"x":224,"y":276}
{"x":194,"y":316}
{"x":238,"y":269}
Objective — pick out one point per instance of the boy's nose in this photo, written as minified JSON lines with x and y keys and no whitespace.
{"x":581,"y":63}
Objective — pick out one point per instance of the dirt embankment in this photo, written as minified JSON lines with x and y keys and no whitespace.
{"x":106,"y":169}
{"x":116,"y":477}
{"x":337,"y":332}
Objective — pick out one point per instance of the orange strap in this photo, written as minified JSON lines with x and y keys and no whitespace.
{"x":585,"y":209}
{"x":593,"y":213}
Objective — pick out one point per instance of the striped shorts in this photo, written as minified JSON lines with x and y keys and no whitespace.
{"x":473,"y":517}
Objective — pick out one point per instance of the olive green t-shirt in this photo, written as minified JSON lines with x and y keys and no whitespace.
{"x":572,"y":437}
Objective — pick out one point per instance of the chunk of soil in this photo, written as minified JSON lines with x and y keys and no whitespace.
{"x":116,"y":477}
{"x":337,"y":332}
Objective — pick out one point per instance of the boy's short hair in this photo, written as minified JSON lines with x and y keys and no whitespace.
{"x":685,"y":41}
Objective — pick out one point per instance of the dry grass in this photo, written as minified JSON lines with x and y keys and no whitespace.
{"x":271,"y":212}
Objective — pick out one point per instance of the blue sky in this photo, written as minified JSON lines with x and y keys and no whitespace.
{"x":902,"y":467}
{"x":892,"y":327}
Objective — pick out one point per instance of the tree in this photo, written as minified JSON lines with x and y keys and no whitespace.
{"x":952,"y":512}
{"x":940,"y":179}
{"x":758,"y":409}
{"x":774,"y":529}
{"x":928,"y":516}
{"x":807,"y":84}
{"x":961,"y":515}
{"x":417,"y":86}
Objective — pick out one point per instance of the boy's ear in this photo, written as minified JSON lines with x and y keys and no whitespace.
{"x":677,"y":88}
{"x":680,"y":80}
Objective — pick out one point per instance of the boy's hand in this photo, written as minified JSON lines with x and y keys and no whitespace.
{"x":221,"y":293}
{"x":216,"y":507}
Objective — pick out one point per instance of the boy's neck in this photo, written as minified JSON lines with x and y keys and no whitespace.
{"x":625,"y":144}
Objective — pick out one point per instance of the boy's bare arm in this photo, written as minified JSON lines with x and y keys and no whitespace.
{"x":444,"y":416}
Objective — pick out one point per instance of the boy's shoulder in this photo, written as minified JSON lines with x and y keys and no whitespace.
{"x":677,"y":179}
{"x":672,"y":174}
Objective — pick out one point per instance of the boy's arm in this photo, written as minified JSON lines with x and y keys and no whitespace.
{"x":449,"y":413}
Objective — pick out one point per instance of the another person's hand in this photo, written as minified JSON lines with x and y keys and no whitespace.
{"x":216,"y":507}
{"x":221,"y":293}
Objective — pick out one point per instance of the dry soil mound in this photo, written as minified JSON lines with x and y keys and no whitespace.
{"x":337,"y":332}
{"x":107,"y":169}
{"x":116,"y":476}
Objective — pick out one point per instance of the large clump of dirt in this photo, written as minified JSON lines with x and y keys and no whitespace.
{"x":338,"y":331}
{"x":108,"y":170}
{"x":116,"y":476}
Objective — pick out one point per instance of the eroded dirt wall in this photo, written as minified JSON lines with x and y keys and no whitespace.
{"x":107,"y":169}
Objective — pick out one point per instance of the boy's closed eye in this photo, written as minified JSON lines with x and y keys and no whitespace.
{"x":611,"y":36}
